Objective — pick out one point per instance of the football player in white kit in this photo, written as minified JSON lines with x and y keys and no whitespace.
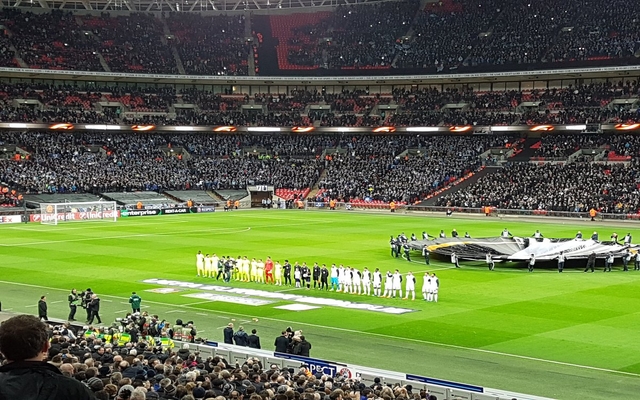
{"x":388,"y":284}
{"x":426,"y":286}
{"x":410,"y":286}
{"x":377,"y":282}
{"x":397,"y":283}
{"x":244,"y":269}
{"x":334,"y":278}
{"x":341,"y":272}
{"x":355,"y":282}
{"x":199,"y":264}
{"x":207,"y":266}
{"x":260,"y":271}
{"x":254,"y":270}
{"x":366,"y":281}
{"x":347,"y":279}
{"x":214,"y":265}
{"x":435,"y":285}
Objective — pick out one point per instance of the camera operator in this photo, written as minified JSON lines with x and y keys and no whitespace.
{"x":85,"y":300}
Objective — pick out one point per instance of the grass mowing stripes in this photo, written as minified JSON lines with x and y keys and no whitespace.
{"x":489,"y":328}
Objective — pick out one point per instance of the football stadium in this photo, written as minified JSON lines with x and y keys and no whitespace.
{"x":319,"y":200}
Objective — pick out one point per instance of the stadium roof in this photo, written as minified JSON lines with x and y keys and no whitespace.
{"x":180,"y":5}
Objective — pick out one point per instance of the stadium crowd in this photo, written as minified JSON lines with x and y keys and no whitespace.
{"x":377,"y":168}
{"x":445,"y":36}
{"x":89,"y":363}
{"x":573,"y":187}
{"x":589,"y":103}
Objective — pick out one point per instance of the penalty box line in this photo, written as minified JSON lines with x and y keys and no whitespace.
{"x":381,"y":335}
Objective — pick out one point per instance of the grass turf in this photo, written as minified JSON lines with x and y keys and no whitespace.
{"x":570,"y":335}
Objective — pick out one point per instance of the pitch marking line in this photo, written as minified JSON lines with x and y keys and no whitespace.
{"x":127,"y":236}
{"x":211,"y":231}
{"x":38,"y":228}
{"x":451,"y":346}
{"x":121,"y":311}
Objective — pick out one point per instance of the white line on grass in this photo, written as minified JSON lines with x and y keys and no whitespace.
{"x":288,"y":290}
{"x":203,"y":314}
{"x":121,"y":311}
{"x":54,"y":302}
{"x":193,"y":304}
{"x":174,"y":311}
{"x":36,"y":228}
{"x":451,"y":346}
{"x":210,"y":231}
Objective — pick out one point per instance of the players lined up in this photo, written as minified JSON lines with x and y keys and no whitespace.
{"x":336,"y":278}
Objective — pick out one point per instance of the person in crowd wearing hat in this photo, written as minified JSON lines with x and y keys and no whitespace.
{"x":125,"y":392}
{"x":24,"y":343}
{"x":95,"y":384}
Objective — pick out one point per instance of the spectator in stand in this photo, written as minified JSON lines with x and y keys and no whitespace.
{"x":24,"y":342}
{"x":575,"y":187}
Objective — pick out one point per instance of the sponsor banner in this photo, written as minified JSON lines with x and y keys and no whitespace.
{"x":455,"y":385}
{"x":139,"y":213}
{"x":246,"y":301}
{"x":315,"y":365}
{"x":74,"y":216}
{"x":164,"y":290}
{"x":177,"y":210}
{"x":205,"y":209}
{"x":10,"y":219}
{"x":318,"y":301}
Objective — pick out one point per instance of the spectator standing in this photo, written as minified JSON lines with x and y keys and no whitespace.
{"x":135,"y":302}
{"x":42,"y":308}
{"x":25,"y":343}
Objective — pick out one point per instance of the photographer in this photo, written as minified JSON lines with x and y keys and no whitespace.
{"x":85,"y":300}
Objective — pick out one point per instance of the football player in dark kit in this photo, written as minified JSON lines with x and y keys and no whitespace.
{"x":286,"y":268}
{"x":306,"y":275}
{"x":316,"y":276}
{"x":324,"y":276}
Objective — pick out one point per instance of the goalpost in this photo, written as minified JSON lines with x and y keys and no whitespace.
{"x":54,"y":213}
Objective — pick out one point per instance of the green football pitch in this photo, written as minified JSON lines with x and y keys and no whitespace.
{"x":568,"y":336}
